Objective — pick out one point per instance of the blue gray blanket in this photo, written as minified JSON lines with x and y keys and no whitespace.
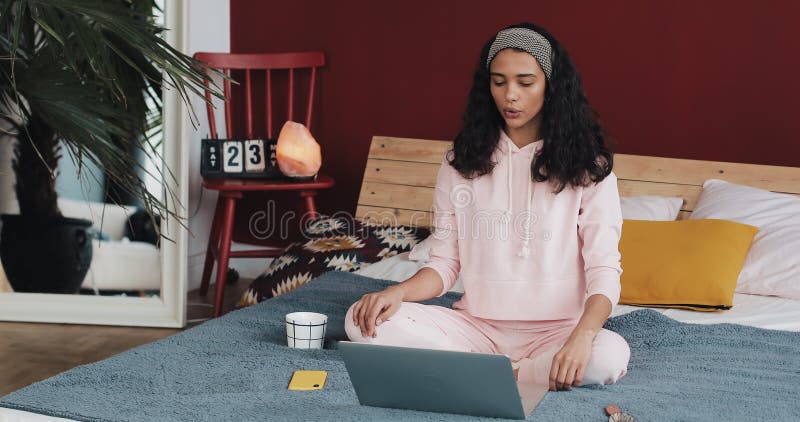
{"x":236,"y":368}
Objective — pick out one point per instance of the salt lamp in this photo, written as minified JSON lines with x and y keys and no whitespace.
{"x":297,"y":152}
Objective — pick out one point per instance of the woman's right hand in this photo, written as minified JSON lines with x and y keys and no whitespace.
{"x":374,"y":308}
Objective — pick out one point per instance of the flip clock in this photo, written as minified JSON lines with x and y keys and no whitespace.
{"x":239,"y":159}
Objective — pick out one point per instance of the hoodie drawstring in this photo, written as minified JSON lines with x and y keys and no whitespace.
{"x":525,"y":251}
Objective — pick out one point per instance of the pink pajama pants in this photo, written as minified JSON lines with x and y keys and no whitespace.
{"x":532,"y":343}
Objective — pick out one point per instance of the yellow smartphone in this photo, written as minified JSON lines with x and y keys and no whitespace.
{"x":308,"y":380}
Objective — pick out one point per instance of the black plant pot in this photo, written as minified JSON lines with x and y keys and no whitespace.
{"x":45,"y":254}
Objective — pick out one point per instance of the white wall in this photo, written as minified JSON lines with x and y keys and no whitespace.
{"x":87,"y":187}
{"x":208,"y":25}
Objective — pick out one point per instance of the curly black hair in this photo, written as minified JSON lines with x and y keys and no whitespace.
{"x":574,"y":151}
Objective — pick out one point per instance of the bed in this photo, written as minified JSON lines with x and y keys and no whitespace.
{"x":236,"y":367}
{"x":774,"y":313}
{"x":398,"y":189}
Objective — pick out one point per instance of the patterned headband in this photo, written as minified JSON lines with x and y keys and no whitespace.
{"x":524,"y":39}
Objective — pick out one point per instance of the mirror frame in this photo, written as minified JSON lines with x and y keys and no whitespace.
{"x":169,"y":309}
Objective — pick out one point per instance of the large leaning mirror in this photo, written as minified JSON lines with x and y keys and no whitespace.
{"x":105,"y":263}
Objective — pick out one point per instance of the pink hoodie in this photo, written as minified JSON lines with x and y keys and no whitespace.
{"x":572,"y":243}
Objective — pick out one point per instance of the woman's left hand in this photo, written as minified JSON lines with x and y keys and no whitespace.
{"x":570,"y":362}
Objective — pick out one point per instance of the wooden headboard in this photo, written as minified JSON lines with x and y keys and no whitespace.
{"x":401,"y":174}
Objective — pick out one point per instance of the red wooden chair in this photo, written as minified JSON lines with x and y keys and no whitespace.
{"x":230,"y":190}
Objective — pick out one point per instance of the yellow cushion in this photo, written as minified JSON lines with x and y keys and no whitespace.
{"x":689,"y":264}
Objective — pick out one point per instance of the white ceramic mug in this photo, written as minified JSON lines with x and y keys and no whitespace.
{"x":305,"y":330}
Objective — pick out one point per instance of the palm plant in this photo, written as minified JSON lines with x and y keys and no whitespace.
{"x":86,"y":74}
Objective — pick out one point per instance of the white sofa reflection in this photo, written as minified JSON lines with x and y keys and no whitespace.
{"x":117,"y":262}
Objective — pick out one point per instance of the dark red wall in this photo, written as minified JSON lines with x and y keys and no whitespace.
{"x":713,"y":80}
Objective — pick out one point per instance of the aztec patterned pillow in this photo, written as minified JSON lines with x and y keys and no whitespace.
{"x":332,"y":244}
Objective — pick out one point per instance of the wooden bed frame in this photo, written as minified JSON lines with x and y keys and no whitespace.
{"x":401,"y":174}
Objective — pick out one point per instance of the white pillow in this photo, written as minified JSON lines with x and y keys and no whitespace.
{"x":772,"y":265}
{"x":397,"y":268}
{"x":401,"y":267}
{"x":647,"y":207}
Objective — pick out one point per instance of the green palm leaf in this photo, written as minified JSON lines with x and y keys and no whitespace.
{"x":92,"y":72}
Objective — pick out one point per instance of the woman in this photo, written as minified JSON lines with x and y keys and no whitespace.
{"x":527,"y":210}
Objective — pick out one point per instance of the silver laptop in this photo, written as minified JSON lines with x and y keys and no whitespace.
{"x":438,"y":381}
